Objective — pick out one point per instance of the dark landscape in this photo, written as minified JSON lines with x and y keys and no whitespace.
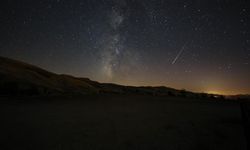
{"x":43,"y":110}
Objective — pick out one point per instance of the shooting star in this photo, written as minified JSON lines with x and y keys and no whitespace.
{"x":179,"y":54}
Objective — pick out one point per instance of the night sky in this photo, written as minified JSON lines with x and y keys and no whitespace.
{"x":203,"y":46}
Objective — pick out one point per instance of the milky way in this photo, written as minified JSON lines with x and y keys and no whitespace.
{"x":134,"y":42}
{"x":117,"y":59}
{"x":113,"y":47}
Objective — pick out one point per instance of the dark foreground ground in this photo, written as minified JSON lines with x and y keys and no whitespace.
{"x":120,"y":123}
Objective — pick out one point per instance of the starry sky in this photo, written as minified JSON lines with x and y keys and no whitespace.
{"x":202,"y":46}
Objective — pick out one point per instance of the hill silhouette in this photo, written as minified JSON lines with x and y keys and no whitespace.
{"x":19,"y":78}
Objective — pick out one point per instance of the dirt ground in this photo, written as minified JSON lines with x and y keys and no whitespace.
{"x":118,"y":122}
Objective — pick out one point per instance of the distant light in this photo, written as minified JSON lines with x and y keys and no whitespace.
{"x":214,"y":92}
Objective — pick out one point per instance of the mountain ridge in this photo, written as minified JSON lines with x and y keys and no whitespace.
{"x":20,"y":78}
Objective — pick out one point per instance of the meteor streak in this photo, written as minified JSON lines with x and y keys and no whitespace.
{"x":179,"y":54}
